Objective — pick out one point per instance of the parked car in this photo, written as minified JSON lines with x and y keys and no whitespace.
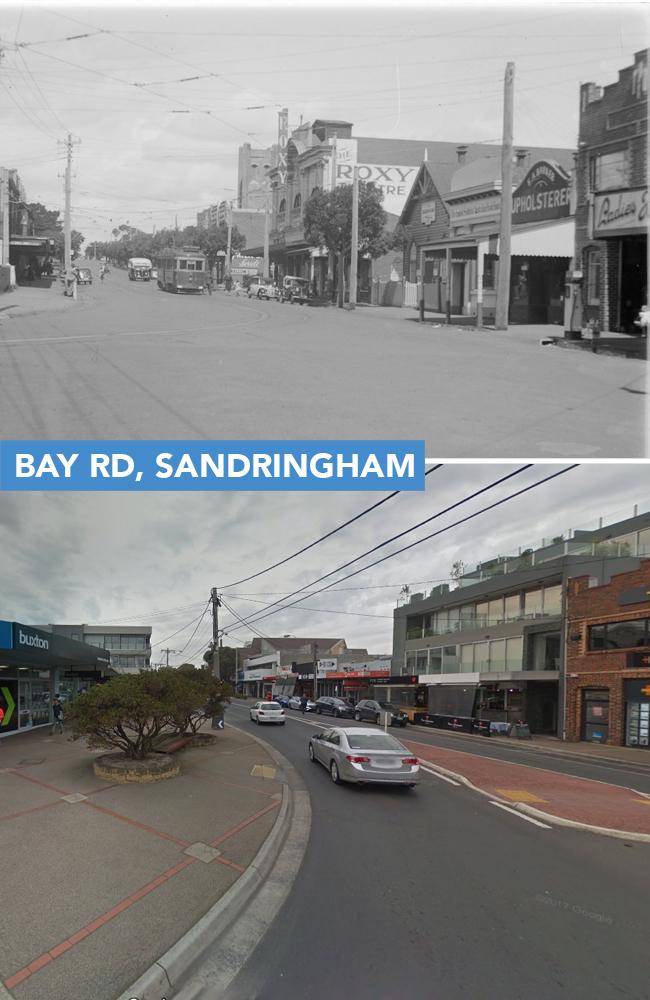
{"x":84,"y":275}
{"x":370,"y":710}
{"x":296,"y":704}
{"x":364,"y":755}
{"x":261,"y":289}
{"x":282,"y":700}
{"x":295,"y":289}
{"x":334,"y":706}
{"x":267,"y":711}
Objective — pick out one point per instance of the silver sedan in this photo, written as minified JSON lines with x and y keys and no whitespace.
{"x":364,"y":755}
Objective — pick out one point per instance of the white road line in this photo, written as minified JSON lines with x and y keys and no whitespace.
{"x":443,"y":777}
{"x":529,"y":819}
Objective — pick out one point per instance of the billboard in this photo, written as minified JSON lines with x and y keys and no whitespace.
{"x":394,"y":180}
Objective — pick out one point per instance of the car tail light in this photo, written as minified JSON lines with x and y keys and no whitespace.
{"x":357,"y":760}
{"x":409,"y":760}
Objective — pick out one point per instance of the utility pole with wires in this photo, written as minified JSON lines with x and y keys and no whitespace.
{"x":354,"y":249}
{"x":216,"y":604}
{"x":330,"y":256}
{"x":314,"y":651}
{"x":167,"y":652}
{"x":67,"y":223}
{"x":505,"y":225}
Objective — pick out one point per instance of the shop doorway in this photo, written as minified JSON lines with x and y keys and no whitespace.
{"x":633,"y":284}
{"x":595,"y":715}
{"x":457,"y":286}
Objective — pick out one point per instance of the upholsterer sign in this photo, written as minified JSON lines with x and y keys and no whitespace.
{"x":543,"y":194}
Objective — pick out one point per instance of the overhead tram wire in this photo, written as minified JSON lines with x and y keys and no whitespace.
{"x":197,"y":627}
{"x":401,"y":534}
{"x":322,"y":538}
{"x":427,"y":538}
{"x":238,"y":619}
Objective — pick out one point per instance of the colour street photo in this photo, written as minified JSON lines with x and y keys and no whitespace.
{"x":233,"y":225}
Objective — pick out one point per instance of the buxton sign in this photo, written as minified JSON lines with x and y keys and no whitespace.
{"x":543,"y":194}
{"x":621,"y":212}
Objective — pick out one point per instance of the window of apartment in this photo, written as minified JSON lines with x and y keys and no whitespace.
{"x":435,"y":660}
{"x":442,"y":621}
{"x":467,"y":616}
{"x":450,"y":660}
{"x":481,"y":656}
{"x":515,"y":653}
{"x":644,"y":542}
{"x":414,"y":626}
{"x":620,"y":635}
{"x":593,"y":266}
{"x":610,"y":170}
{"x":512,"y":607}
{"x":422,"y":661}
{"x":482,"y":613}
{"x":495,"y":610}
{"x":283,"y":207}
{"x":498,"y":654}
{"x":553,"y":600}
{"x":467,"y":658}
{"x":410,"y":663}
{"x":428,"y":624}
{"x":533,"y":603}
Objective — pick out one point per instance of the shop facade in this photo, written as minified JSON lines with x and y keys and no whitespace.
{"x":611,"y":255}
{"x":608,"y":660}
{"x":35,"y":665}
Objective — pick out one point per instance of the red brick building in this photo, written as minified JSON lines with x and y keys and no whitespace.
{"x":611,"y":210}
{"x":608,"y":659}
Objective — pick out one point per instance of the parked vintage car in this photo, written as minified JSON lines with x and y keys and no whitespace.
{"x":259,"y":288}
{"x":84,"y":275}
{"x":295,"y":289}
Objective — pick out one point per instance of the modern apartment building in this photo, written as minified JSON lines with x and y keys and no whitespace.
{"x":503,"y":628}
{"x":129,"y":645}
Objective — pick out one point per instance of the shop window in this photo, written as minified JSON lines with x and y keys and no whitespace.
{"x":422,"y":661}
{"x":489,"y":270}
{"x":593,"y":266}
{"x":619,"y":635}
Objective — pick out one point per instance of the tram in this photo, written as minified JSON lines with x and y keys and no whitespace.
{"x":183,"y":270}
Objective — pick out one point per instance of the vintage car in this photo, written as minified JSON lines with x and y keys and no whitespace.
{"x":83,"y":275}
{"x":295,"y":289}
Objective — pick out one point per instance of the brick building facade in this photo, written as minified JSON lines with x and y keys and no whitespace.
{"x":608,"y":659}
{"x":611,"y":210}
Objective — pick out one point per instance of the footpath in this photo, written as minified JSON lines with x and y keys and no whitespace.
{"x":109,"y":885}
{"x":580,"y":803}
{"x":30,"y":300}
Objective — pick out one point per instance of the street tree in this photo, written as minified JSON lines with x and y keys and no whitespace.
{"x":327,"y":220}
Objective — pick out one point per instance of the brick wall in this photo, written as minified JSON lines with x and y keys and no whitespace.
{"x":600,"y":669}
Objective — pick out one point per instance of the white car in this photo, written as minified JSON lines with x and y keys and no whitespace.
{"x":261,"y":289}
{"x":267,"y":711}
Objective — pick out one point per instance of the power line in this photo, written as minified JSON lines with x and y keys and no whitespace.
{"x":326,"y":611}
{"x":427,"y":538}
{"x":329,"y":534}
{"x":401,"y":534}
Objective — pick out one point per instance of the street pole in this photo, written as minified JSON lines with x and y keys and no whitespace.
{"x":216,"y":604}
{"x":330,"y":258}
{"x":167,"y":652}
{"x":4,"y":211}
{"x":266,"y":237}
{"x":505,"y":226}
{"x":354,"y":250}
{"x":67,"y":224}
{"x":314,"y":650}
{"x":229,"y":249}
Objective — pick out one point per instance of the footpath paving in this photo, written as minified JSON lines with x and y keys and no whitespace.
{"x":570,"y":801}
{"x":30,"y":300}
{"x":100,"y":880}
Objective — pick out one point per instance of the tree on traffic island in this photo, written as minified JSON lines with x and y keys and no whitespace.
{"x":133,"y":713}
{"x":327,"y":222}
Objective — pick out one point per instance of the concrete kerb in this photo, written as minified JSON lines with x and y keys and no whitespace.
{"x":167,"y":974}
{"x":572,"y":824}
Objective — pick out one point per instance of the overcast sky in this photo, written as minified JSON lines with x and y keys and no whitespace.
{"x":157,"y":143}
{"x":119,"y":558}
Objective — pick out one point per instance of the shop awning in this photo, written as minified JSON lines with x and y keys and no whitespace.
{"x":550,"y":239}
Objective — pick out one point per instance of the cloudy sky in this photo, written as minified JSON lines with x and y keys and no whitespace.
{"x":152,"y":558}
{"x":161,"y":98}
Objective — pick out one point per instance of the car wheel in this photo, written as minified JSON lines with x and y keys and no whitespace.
{"x":318,"y":711}
{"x":334,"y":773}
{"x":282,"y":723}
{"x":357,"y":716}
{"x":312,"y":755}
{"x":259,"y":294}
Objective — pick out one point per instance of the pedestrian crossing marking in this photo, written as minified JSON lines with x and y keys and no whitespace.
{"x":263,"y":771}
{"x":518,"y":796}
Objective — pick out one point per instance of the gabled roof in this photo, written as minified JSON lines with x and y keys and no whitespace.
{"x":485,"y":173}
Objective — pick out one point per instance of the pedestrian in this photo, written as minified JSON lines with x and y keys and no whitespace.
{"x":303,"y":703}
{"x":208,"y":284}
{"x":57,"y":712}
{"x":642,"y":322}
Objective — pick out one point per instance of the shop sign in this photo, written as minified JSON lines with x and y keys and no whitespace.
{"x":397,"y":679}
{"x":543,"y":194}
{"x":245,"y":265}
{"x":8,"y":699}
{"x":476,"y":210}
{"x":256,"y":675}
{"x":621,"y":212}
{"x":6,"y":635}
{"x":637,"y":660}
{"x":30,"y":638}
{"x":324,"y":666}
{"x":427,"y":212}
{"x":394,"y":181}
{"x":638,"y":689}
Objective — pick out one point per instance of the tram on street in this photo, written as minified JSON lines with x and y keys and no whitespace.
{"x":184,"y":270}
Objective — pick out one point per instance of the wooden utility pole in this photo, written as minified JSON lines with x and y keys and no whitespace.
{"x":354,"y":250}
{"x":330,"y":256}
{"x":216,"y":604}
{"x":167,"y":652}
{"x":4,"y":212}
{"x":505,"y":226}
{"x":67,"y":222}
{"x":314,"y":651}
{"x":266,"y":236}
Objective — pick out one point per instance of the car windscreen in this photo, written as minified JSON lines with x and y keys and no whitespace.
{"x":374,"y":741}
{"x":386,"y":705}
{"x":336,"y":701}
{"x":273,"y":705}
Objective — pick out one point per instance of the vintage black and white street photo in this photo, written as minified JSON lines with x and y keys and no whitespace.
{"x":235,"y":222}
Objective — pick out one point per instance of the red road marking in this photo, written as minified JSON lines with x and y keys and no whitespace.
{"x":43,"y":784}
{"x":84,"y":932}
{"x":136,"y":823}
{"x":230,"y":864}
{"x":244,"y":823}
{"x":33,"y":809}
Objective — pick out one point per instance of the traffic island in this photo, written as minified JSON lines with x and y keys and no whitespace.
{"x":120,"y":769}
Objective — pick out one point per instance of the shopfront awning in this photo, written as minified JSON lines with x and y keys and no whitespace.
{"x":549,"y":239}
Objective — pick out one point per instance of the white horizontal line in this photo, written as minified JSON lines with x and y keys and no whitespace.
{"x":529,"y":819}
{"x":443,"y":777}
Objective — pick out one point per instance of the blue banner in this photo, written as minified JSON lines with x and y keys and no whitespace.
{"x":132,"y":466}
